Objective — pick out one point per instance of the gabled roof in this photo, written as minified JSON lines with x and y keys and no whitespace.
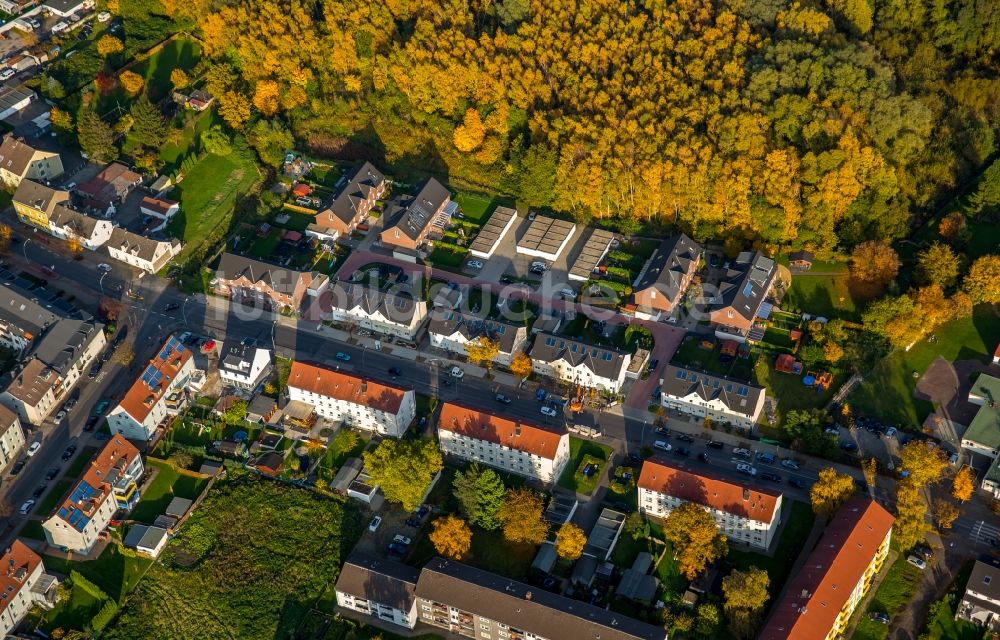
{"x":282,"y":280}
{"x":158,"y":377}
{"x":985,"y":426}
{"x":65,"y":342}
{"x":17,"y":564}
{"x":113,"y":180}
{"x":346,"y":387}
{"x":514,"y":433}
{"x":24,"y":313}
{"x":79,"y":223}
{"x":140,"y":246}
{"x":238,"y":356}
{"x":96,"y":484}
{"x":983,"y":586}
{"x":673,"y":259}
{"x":739,"y":397}
{"x":384,"y":581}
{"x":398,"y":308}
{"x":816,"y":594}
{"x":32,"y":383}
{"x":746,"y":284}
{"x":421,"y":210}
{"x":447,"y":323}
{"x":602,"y":361}
{"x":159,"y":205}
{"x":708,"y":489}
{"x":524,"y":607}
{"x":15,"y":155}
{"x":365,"y":180}
{"x":38,"y":196}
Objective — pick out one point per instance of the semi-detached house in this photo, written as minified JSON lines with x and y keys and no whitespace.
{"x":351,"y":205}
{"x":511,"y":445}
{"x":750,"y":515}
{"x":410,"y":219}
{"x":722,"y":400}
{"x":742,"y":296}
{"x":382,"y":312}
{"x":666,"y":276}
{"x":378,"y":587}
{"x":453,"y":331}
{"x":244,"y":279}
{"x":360,"y":403}
{"x":141,"y":252}
{"x":580,"y":363}
{"x":243,"y":364}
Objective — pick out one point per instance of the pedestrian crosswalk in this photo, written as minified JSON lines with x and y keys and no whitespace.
{"x":977,"y":530}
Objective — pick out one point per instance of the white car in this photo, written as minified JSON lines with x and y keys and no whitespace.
{"x":747,"y":469}
{"x":788,"y":463}
{"x":104,"y":16}
{"x":916,"y":562}
{"x":7,"y":73}
{"x":375,"y":524}
{"x":457,"y":372}
{"x":104,"y":266}
{"x":59,"y":27}
{"x":401,"y":539}
{"x":26,"y":507}
{"x":833,"y":431}
{"x":60,"y":416}
{"x":662,"y":445}
{"x":568,"y":293}
{"x":890,"y":432}
{"x":474,"y":264}
{"x":549,"y":411}
{"x":33,"y":449}
{"x":742,"y":453}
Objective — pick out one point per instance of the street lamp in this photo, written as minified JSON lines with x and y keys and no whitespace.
{"x":24,"y":248}
{"x":101,"y":281}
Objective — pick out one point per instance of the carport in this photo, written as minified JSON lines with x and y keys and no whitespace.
{"x":604,"y":535}
{"x":546,"y":238}
{"x":493,"y":232}
{"x":590,"y":257}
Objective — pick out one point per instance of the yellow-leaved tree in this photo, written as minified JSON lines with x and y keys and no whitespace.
{"x":982,"y":282}
{"x":874,"y":261}
{"x":830,"y":492}
{"x":451,"y":536}
{"x":696,"y":538}
{"x":109,"y":46}
{"x":469,"y":135}
{"x":745,"y":596}
{"x":521,"y":365}
{"x":570,"y":541}
{"x":521,"y":517}
{"x":911,"y":511}
{"x":922,"y":464}
{"x":963,"y":484}
{"x":179,"y":78}
{"x":265,"y":97}
{"x":132,"y":82}
{"x":482,"y":351}
{"x":945,"y":513}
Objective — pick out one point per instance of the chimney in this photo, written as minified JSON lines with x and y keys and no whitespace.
{"x":746,"y":494}
{"x":527,"y":595}
{"x":517,"y":429}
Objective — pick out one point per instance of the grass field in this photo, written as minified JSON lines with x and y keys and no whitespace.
{"x":168,"y":483}
{"x":895,"y":591}
{"x":55,"y":494}
{"x":690,"y":354}
{"x":476,"y":206}
{"x":447,"y":258}
{"x":75,"y":612}
{"x":778,"y":566}
{"x":114,"y":572}
{"x":830,"y":296}
{"x":792,"y":395}
{"x":173,"y":152}
{"x":888,"y":390}
{"x":578,"y":451}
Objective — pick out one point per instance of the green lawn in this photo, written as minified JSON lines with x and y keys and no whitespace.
{"x":168,"y":483}
{"x":792,"y":395}
{"x":172,"y":153}
{"x":895,"y":591}
{"x":690,"y":354}
{"x":942,"y":625}
{"x":264,"y":247}
{"x":33,"y":530}
{"x":80,"y":462}
{"x":778,"y":566}
{"x":476,"y":206}
{"x":888,"y":390}
{"x":579,"y":450}
{"x":829,"y":296}
{"x":114,"y":572}
{"x":75,"y":612}
{"x":447,"y":258}
{"x":181,"y":52}
{"x":55,"y":494}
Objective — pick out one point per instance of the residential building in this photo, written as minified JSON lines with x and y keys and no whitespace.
{"x":742,"y":297}
{"x":67,"y":224}
{"x":452,"y":331}
{"x":409,"y":219}
{"x":68,"y":348}
{"x":983,"y":434}
{"x":31,"y":393}
{"x":509,"y":444}
{"x":981,"y":602}
{"x":473,"y":603}
{"x":360,"y":403}
{"x":66,"y":8}
{"x":243,"y":364}
{"x":248,"y":280}
{"x":15,"y":99}
{"x":11,"y":437}
{"x":34,"y":203}
{"x":667,"y":274}
{"x":721,"y":399}
{"x":387,"y":313}
{"x":19,"y":161}
{"x":580,"y":363}
{"x":24,"y":584}
{"x":109,"y":187}
{"x":820,"y":599}
{"x":110,"y":484}
{"x":147,"y":540}
{"x":23,"y":320}
{"x":751,"y":515}
{"x":141,"y":252}
{"x":381,"y":588}
{"x":160,"y":208}
{"x":351,"y":205}
{"x":158,"y":393}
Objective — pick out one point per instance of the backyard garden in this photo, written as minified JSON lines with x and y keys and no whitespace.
{"x":587,"y":462}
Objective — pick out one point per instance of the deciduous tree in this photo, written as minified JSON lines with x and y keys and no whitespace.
{"x":179,"y":78}
{"x":132,"y":82}
{"x":696,"y":538}
{"x":938,"y":264}
{"x":404,"y":469}
{"x":874,"y":261}
{"x":521,"y":365}
{"x":482,"y":351}
{"x":945,"y":513}
{"x":745,"y":596}
{"x":911,"y":512}
{"x":982,"y":282}
{"x":570,"y":540}
{"x":707,"y":620}
{"x":471,"y":133}
{"x":963,"y":484}
{"x":952,"y":226}
{"x":216,"y":142}
{"x":5,"y":237}
{"x":870,"y":468}
{"x":234,"y":107}
{"x":830,"y":492}
{"x":923,"y":464}
{"x":521,"y":517}
{"x":109,"y":45}
{"x":451,"y":536}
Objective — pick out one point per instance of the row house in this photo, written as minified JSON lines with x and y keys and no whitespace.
{"x":742,"y":296}
{"x":410,"y":219}
{"x":721,"y":399}
{"x":34,"y":203}
{"x":821,"y":598}
{"x":511,"y":445}
{"x":68,"y":348}
{"x":11,"y":437}
{"x":364,"y":404}
{"x":750,"y":515}
{"x":580,"y":363}
{"x":247,"y":280}
{"x":20,"y":161}
{"x":141,"y":252}
{"x":351,"y":205}
{"x":24,"y":584}
{"x":110,"y":484}
{"x":661,"y":285}
{"x":243,"y":364}
{"x":159,"y":392}
{"x":453,"y":331}
{"x":23,"y":320}
{"x":386,"y":313}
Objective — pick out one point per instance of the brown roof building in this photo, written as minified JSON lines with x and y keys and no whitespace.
{"x":111,"y":185}
{"x":24,"y":584}
{"x":410,"y":218}
{"x":821,"y":598}
{"x":667,"y":275}
{"x":19,"y":161}
{"x":351,"y":204}
{"x":246,"y":279}
{"x":33,"y":391}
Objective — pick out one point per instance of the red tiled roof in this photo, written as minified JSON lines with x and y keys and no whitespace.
{"x":112,"y":455}
{"x":141,"y":398}
{"x":523,"y":436}
{"x":344,"y":386}
{"x":815,"y":596}
{"x":16,"y":564}
{"x":157,"y":204}
{"x":709,"y":490}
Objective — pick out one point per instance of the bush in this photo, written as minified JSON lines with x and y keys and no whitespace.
{"x":104,"y":616}
{"x":83,"y":583}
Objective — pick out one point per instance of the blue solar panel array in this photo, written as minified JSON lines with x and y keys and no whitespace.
{"x":173,"y":346}
{"x":152,"y":376}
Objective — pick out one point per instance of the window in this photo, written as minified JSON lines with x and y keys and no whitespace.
{"x":987,"y":579}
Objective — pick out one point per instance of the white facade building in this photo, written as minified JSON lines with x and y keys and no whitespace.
{"x":360,"y":403}
{"x":243,"y":365}
{"x":383,"y":589}
{"x":748,"y":515}
{"x":67,"y":224}
{"x":529,"y":450}
{"x":11,"y":437}
{"x":24,"y":584}
{"x":580,"y":363}
{"x":32,"y":393}
{"x":722,"y":400}
{"x":452,"y":331}
{"x":141,"y":252}
{"x":378,"y":311}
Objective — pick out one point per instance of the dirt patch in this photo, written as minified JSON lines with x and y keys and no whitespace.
{"x":947,"y":385}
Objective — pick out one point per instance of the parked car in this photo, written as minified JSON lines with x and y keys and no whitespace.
{"x":413,"y":522}
{"x":173,"y":306}
{"x":474,"y":264}
{"x":457,"y":372}
{"x":745,"y":468}
{"x":104,"y":266}
{"x":549,"y":411}
{"x":848,"y":446}
{"x":540,"y":395}
{"x":401,"y":539}
{"x":770,"y":477}
{"x":833,"y":431}
{"x":653,"y":364}
{"x":94,"y":370}
{"x":68,"y":453}
{"x":39,"y":490}
{"x":715,"y":445}
{"x":16,"y":469}
{"x":924,"y":552}
{"x":683,"y":437}
{"x":703,"y":457}
{"x":26,"y":507}
{"x":502,"y":398}
{"x":682,"y":452}
{"x":33,"y":449}
{"x":662,"y":445}
{"x":662,"y":431}
{"x":890,"y":432}
{"x":375,"y":524}
{"x":60,"y":416}
{"x":742,"y":453}
{"x":765,"y":457}
{"x":343,"y":357}
{"x":798,"y":484}
{"x":395,"y":371}
{"x":879,"y":616}
{"x":397,"y":549}
{"x":103,"y":16}
{"x":7,"y":73}
{"x":101,"y":407}
{"x":52,"y":473}
{"x":788,"y":463}
{"x":916,"y":562}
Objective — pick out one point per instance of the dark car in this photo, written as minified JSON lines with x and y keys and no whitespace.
{"x":502,"y":398}
{"x":663,"y":431}
{"x":924,"y":551}
{"x":39,"y":490}
{"x":397,"y":549}
{"x":861,"y":484}
{"x":878,"y":616}
{"x":16,"y":469}
{"x":395,"y":371}
{"x":52,"y":473}
{"x":798,"y":484}
{"x":683,"y":437}
{"x":653,"y":364}
{"x":682,"y":452}
{"x":68,"y":453}
{"x":848,"y":446}
{"x":770,"y":477}
{"x":506,"y":279}
{"x":91,"y":423}
{"x":94,"y":370}
{"x":703,"y":457}
{"x":713,"y":260}
{"x":171,"y":307}
{"x":715,"y":445}
{"x":634,"y":459}
{"x":620,"y":505}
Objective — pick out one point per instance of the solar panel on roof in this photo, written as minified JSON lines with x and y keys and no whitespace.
{"x":682,"y":375}
{"x":747,"y":289}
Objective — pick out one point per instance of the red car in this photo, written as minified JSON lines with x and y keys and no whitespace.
{"x":208,"y":346}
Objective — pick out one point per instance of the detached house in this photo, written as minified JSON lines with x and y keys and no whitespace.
{"x":511,"y":445}
{"x":981,"y":602}
{"x":243,"y":365}
{"x":110,"y":484}
{"x":34,"y":203}
{"x":666,"y":276}
{"x":158,"y":393}
{"x":376,"y":310}
{"x":409,"y":219}
{"x":703,"y":395}
{"x":360,"y":403}
{"x":68,"y":224}
{"x":141,"y":252}
{"x":20,"y":161}
{"x":580,"y":363}
{"x":351,"y":205}
{"x":160,"y":208}
{"x":109,"y":187}
{"x":742,"y":295}
{"x":248,"y":280}
{"x":746,"y":514}
{"x":24,"y":584}
{"x":452,"y":331}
